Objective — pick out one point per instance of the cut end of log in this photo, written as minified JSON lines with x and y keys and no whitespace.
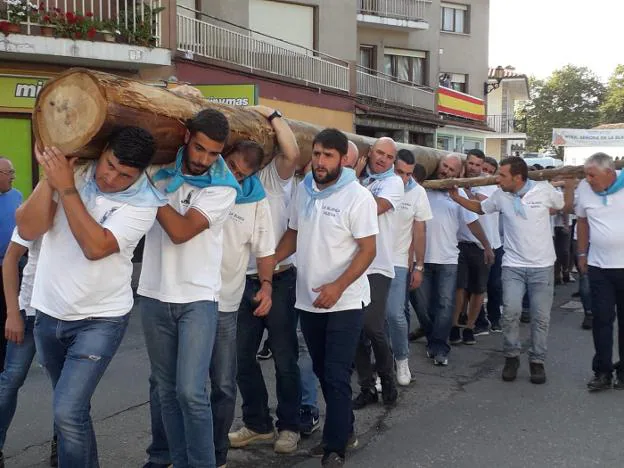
{"x":70,"y":113}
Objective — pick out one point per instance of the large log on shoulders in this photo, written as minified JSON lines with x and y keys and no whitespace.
{"x":78,"y":110}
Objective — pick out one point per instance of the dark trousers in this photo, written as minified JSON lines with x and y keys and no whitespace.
{"x":281,"y":324}
{"x":607,"y":300}
{"x":562,"y":249}
{"x":3,"y":317}
{"x":332,"y":339}
{"x":374,"y":332}
{"x":494,"y":292}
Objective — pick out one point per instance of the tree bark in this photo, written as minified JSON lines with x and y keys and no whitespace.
{"x":565,"y":172}
{"x":78,"y":110}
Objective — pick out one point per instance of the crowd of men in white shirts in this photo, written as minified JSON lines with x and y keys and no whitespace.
{"x":326,"y":262}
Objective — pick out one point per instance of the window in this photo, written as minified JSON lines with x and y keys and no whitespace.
{"x":454,"y":81}
{"x":454,"y":18}
{"x":367,"y":57}
{"x":285,"y":21}
{"x":445,"y":143}
{"x":406,"y":65}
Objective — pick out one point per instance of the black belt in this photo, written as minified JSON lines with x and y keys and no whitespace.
{"x":275,"y":275}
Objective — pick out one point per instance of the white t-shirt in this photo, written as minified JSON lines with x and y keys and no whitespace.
{"x":28,"y":275}
{"x":413,"y":207}
{"x":278,"y":194}
{"x":606,"y":226}
{"x":393,"y":190}
{"x":67,"y":285}
{"x":326,"y":243}
{"x":248,"y":230}
{"x":191,"y":271}
{"x":527,"y":241}
{"x":442,"y":229}
{"x":489,"y":223}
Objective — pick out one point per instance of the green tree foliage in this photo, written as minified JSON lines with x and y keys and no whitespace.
{"x":569,"y":98}
{"x":612,"y":108}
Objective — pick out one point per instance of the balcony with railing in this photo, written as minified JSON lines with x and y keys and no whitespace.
{"x":506,"y":125}
{"x":384,"y":88}
{"x":119,"y":33}
{"x":410,"y":14}
{"x":257,"y":52}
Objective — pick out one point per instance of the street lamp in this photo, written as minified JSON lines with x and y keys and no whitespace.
{"x":499,"y":74}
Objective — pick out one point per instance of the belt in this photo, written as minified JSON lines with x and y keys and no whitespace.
{"x":276,"y":274}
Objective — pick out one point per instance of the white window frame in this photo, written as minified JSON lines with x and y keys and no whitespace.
{"x":457,"y":8}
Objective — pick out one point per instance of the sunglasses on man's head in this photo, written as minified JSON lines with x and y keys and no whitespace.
{"x":8,"y":172}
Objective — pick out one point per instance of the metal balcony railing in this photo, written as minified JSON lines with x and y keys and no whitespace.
{"x":383,"y":88}
{"x":504,"y":124}
{"x":399,"y":9}
{"x":132,"y":21}
{"x":256,"y":51}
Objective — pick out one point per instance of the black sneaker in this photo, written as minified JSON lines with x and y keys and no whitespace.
{"x":332,"y":460}
{"x":150,"y":464}
{"x":588,"y":322}
{"x":525,"y":317}
{"x":496,"y":328}
{"x":468,"y":336}
{"x":538,"y":373}
{"x":416,"y":334}
{"x":510,"y":371}
{"x":366,"y":397}
{"x":455,"y":336}
{"x":264,"y":353}
{"x":619,"y":381}
{"x":481,"y":330}
{"x":319,"y":450}
{"x":309,"y":420}
{"x":576,"y":294}
{"x":601,"y":381}
{"x":389,"y":392}
{"x":53,"y":452}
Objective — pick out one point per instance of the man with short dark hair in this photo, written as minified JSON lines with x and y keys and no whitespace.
{"x":527,"y":265}
{"x":180,"y":283}
{"x":92,"y":221}
{"x":599,"y":208}
{"x":332,"y":228}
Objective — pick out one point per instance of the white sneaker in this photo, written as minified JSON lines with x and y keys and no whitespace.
{"x":286,"y":442}
{"x":378,"y":385}
{"x":404,"y":376}
{"x":245,"y":436}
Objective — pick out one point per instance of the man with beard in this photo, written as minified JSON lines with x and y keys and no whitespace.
{"x":387,"y":188}
{"x":437,"y":292}
{"x":180,"y":283}
{"x":472,"y":271}
{"x":527,"y":265}
{"x":332,"y":227}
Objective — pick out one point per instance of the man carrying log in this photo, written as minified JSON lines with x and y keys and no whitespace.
{"x":281,"y":322}
{"x":180,"y":283}
{"x":92,"y":221}
{"x":527,"y":265}
{"x":387,"y":188}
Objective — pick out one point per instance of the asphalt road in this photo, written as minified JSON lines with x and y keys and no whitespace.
{"x":462,"y":415}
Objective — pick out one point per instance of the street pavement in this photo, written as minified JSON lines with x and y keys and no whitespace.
{"x":462,"y":415}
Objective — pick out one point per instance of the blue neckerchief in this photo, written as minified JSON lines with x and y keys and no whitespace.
{"x":517,"y":201}
{"x":368,"y":177}
{"x":347,"y":175}
{"x":217,"y":175}
{"x":615,"y":187}
{"x":411,"y":185}
{"x":252,"y":190}
{"x":142,"y":193}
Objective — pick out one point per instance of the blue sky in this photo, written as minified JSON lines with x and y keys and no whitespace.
{"x":538,"y":36}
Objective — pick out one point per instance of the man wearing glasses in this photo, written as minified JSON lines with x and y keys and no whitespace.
{"x":10,"y":199}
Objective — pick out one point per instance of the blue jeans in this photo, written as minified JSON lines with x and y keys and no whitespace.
{"x":76,"y":355}
{"x":180,"y":339}
{"x":607,"y":293}
{"x":281,"y":324}
{"x":332,"y":340}
{"x":17,"y":362}
{"x":538,"y":284}
{"x":309,"y":397}
{"x":435,"y":300}
{"x":223,"y":396}
{"x":396,"y":321}
{"x":585,"y":292}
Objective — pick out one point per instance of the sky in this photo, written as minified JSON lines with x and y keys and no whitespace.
{"x":539,"y":36}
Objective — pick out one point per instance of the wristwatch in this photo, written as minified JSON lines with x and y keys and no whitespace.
{"x":419,"y":268}
{"x":275,"y":114}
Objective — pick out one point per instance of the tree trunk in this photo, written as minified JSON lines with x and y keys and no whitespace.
{"x":565,"y":172}
{"x":78,"y":110}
